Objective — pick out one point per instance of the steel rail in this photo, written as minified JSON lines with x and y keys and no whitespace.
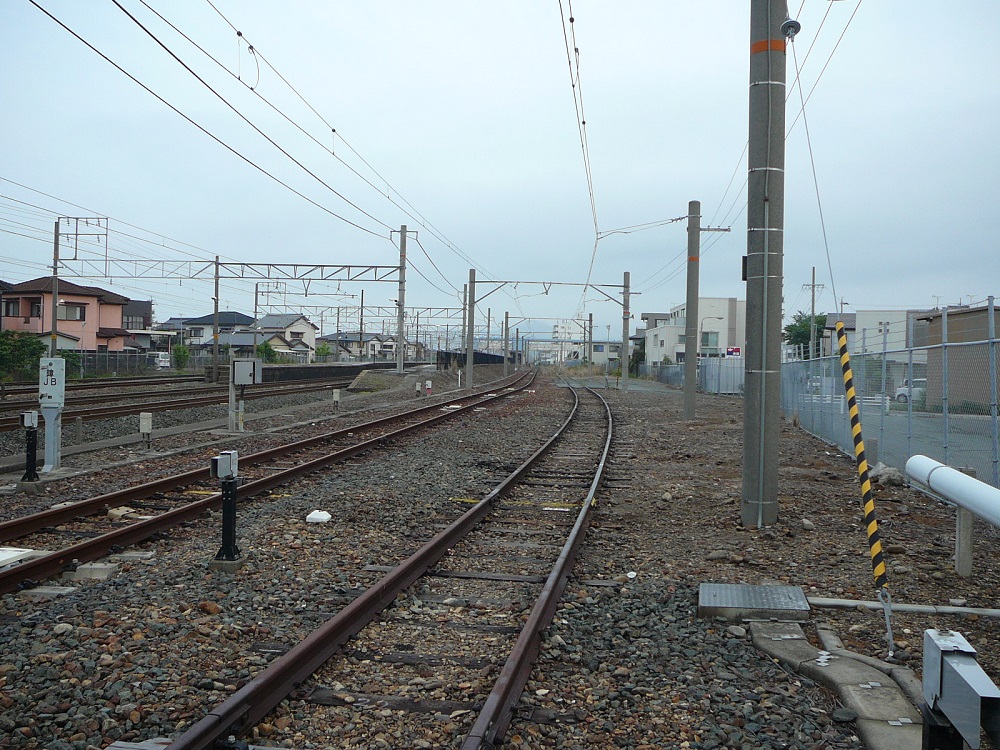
{"x":14,"y":577}
{"x":498,"y":709}
{"x":176,"y":403}
{"x":18,"y":527}
{"x":92,"y":383}
{"x":248,"y":705}
{"x":73,"y":400}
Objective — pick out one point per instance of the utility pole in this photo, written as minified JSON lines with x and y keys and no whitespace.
{"x":765,"y":249}
{"x":54,"y":344}
{"x":506,"y":340}
{"x":590,"y":339}
{"x":470,"y":341}
{"x":215,"y":326}
{"x":626,"y":323}
{"x":691,"y":310}
{"x":692,"y":334}
{"x":812,"y":314}
{"x":401,"y":341}
{"x":361,"y":328}
{"x":465,"y":318}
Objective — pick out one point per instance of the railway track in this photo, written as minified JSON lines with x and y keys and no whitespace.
{"x":216,"y":395}
{"x":469,"y":616}
{"x":165,"y":503}
{"x":31,"y":389}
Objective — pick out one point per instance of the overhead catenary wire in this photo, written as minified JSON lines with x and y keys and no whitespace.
{"x":200,"y":127}
{"x":247,"y":120}
{"x":812,"y":164}
{"x":416,"y":215}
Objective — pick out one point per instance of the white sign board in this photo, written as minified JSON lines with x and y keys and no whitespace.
{"x":51,"y":381}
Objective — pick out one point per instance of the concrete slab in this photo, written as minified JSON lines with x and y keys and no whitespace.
{"x":94,"y":571}
{"x":31,"y":488}
{"x":877,"y":700}
{"x":785,"y":641}
{"x":133,"y":556}
{"x":227,"y":566}
{"x":887,"y":719}
{"x":47,"y":593}
{"x":9,"y":555}
{"x":881,"y":735}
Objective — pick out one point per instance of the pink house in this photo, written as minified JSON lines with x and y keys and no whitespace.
{"x":88,"y":318}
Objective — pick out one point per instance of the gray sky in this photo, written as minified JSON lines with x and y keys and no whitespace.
{"x":466,"y":115}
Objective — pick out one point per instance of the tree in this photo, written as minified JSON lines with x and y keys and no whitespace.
{"x":797,"y":332}
{"x":267,"y":353}
{"x":19,"y":354}
{"x":323,"y":350}
{"x":638,"y":357}
{"x":181,"y":356}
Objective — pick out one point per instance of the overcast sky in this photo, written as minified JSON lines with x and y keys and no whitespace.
{"x":462,"y":113}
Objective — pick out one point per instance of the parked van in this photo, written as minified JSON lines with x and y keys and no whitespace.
{"x":160,"y":360}
{"x":907,"y":392}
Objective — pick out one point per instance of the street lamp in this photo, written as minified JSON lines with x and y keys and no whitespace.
{"x":701,"y":329}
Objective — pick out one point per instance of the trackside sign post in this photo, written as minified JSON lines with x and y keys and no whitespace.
{"x":51,"y":399}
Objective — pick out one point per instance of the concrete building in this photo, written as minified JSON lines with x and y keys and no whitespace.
{"x":721,"y":329}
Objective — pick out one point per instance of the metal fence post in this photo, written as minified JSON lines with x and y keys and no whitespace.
{"x":909,"y":379}
{"x":991,"y":324}
{"x":944,"y":380}
{"x":883,"y":408}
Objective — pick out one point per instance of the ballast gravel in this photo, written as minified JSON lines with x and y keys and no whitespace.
{"x":625,"y":664}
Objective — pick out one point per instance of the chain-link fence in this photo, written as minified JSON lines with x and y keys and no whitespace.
{"x":939,"y":401}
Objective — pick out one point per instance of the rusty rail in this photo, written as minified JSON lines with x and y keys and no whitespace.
{"x":248,"y":705}
{"x":13,"y":578}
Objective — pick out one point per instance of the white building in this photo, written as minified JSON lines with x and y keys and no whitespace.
{"x":721,"y":330}
{"x":295,"y":328}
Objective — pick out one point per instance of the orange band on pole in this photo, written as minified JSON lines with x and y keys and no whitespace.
{"x":768,"y":45}
{"x":693,"y":258}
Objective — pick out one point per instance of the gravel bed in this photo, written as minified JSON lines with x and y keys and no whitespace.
{"x":625,"y":665}
{"x":151,"y":650}
{"x":12,"y":442}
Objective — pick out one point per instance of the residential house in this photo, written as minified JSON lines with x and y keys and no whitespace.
{"x":88,"y":318}
{"x":198,"y":331}
{"x":296,"y":329}
{"x":355,"y":345}
{"x":137,"y":319}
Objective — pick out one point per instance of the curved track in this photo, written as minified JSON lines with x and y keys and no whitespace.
{"x":532,"y":509}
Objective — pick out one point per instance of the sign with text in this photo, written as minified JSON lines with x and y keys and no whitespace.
{"x":732,"y":351}
{"x":51,"y":381}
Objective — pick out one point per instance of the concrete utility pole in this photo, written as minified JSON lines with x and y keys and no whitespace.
{"x":401,"y":341}
{"x":54,"y":344}
{"x":465,"y":318}
{"x":691,"y":310}
{"x":215,"y":326}
{"x":506,"y":340}
{"x":812,"y":314}
{"x":765,"y":249}
{"x":590,"y":339}
{"x":626,"y":324}
{"x":470,"y":353}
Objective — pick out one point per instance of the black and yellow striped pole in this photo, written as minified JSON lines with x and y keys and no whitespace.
{"x":871,"y":522}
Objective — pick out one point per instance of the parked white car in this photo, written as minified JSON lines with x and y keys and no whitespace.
{"x":906,"y":392}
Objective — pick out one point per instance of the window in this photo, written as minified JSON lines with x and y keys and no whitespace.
{"x":70,"y":311}
{"x":197,"y":333}
{"x":11,"y":308}
{"x":36,"y":308}
{"x":662,"y":343}
{"x":133,"y":322}
{"x":598,"y":347}
{"x":296,"y":335}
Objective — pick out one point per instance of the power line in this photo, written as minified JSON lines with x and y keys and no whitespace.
{"x":416,"y":215}
{"x":245,"y":119}
{"x":200,"y":127}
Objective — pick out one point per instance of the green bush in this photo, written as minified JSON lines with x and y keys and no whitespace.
{"x":181,"y":355}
